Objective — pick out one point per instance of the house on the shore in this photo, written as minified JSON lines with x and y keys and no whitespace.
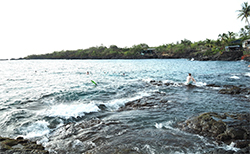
{"x":236,"y":42}
{"x":148,"y":51}
{"x":246,"y":44}
{"x":232,"y":48}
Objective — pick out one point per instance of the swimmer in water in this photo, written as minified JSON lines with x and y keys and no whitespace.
{"x":190,"y":79}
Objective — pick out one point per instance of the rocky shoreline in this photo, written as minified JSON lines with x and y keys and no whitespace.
{"x":225,"y":56}
{"x":187,"y":54}
{"x":224,"y":128}
{"x":20,"y":146}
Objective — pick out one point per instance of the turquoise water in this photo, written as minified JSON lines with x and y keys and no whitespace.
{"x":37,"y":97}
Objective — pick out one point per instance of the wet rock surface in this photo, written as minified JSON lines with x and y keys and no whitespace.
{"x":228,"y":89}
{"x":90,"y":136}
{"x":95,"y":135}
{"x":225,"y":56}
{"x":224,"y":128}
{"x":154,"y":101}
{"x":247,"y":59}
{"x":225,"y":89}
{"x":160,"y":83}
{"x":20,"y":146}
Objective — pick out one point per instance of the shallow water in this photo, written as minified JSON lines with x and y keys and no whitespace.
{"x":37,"y":97}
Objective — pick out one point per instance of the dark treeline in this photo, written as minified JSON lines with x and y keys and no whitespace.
{"x":93,"y":52}
{"x":183,"y":49}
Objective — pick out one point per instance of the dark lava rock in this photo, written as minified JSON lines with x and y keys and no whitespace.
{"x":233,"y":90}
{"x":160,"y":83}
{"x":212,"y":85}
{"x":222,"y":127}
{"x":225,"y":56}
{"x":247,"y":58}
{"x":154,"y":101}
{"x":20,"y":146}
{"x":90,"y":136}
{"x":229,"y":55}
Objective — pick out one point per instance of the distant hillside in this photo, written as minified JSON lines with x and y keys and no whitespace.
{"x":202,"y":50}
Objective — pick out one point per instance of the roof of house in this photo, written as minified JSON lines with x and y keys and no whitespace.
{"x":236,"y":41}
{"x":246,"y":40}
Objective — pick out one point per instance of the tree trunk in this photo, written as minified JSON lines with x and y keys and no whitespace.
{"x":248,"y":26}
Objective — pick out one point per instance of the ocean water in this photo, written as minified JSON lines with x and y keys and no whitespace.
{"x":39,"y":97}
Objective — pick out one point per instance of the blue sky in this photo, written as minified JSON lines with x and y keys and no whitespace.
{"x":44,"y":26}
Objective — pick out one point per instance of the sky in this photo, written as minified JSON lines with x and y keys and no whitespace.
{"x":43,"y":26}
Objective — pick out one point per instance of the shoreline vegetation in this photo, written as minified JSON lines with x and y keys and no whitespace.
{"x":202,"y":50}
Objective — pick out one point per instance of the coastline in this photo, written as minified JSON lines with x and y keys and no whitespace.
{"x":191,"y":55}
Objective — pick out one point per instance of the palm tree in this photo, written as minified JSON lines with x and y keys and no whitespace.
{"x":244,"y":12}
{"x":231,"y":35}
{"x":247,"y":29}
{"x":186,"y":42}
{"x":223,"y":37}
{"x":208,"y":43}
{"x":243,"y":32}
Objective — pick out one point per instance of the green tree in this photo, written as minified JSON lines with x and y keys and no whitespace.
{"x":218,"y":42}
{"x":243,"y":32}
{"x":244,"y":12}
{"x":231,"y":35}
{"x":144,"y":45}
{"x":247,"y":29}
{"x":113,"y":47}
{"x":170,"y":47}
{"x":208,"y":42}
{"x":186,"y":42}
{"x":223,"y":37}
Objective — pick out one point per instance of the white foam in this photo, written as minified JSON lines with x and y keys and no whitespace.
{"x":231,"y":147}
{"x":166,"y":125}
{"x":43,"y":141}
{"x":37,"y":129}
{"x":247,"y":74}
{"x":216,"y":88}
{"x":77,"y":143}
{"x":232,"y":144}
{"x":168,"y":81}
{"x":149,"y":149}
{"x":71,"y":110}
{"x":235,"y":77}
{"x":204,"y":140}
{"x":159,"y":126}
{"x":201,"y":84}
{"x":169,"y":124}
{"x":117,"y":103}
{"x":198,"y":84}
{"x":147,"y":80}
